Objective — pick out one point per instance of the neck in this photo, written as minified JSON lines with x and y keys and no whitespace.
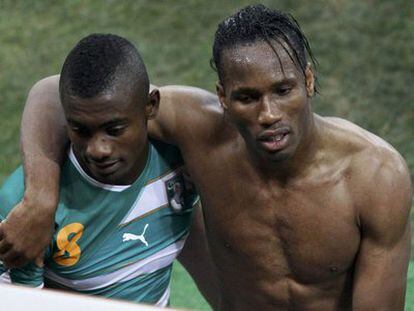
{"x":139,"y":164}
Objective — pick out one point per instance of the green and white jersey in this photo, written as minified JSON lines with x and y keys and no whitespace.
{"x":110,"y":240}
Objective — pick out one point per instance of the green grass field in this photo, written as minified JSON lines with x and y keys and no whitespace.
{"x":365,"y":51}
{"x":409,"y":303}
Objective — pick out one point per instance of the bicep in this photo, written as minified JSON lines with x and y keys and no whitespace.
{"x":163,"y":126}
{"x":43,"y":126}
{"x":43,"y":103}
{"x":183,"y":112}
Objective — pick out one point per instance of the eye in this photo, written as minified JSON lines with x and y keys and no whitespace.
{"x":246,"y":98}
{"x":80,"y":131}
{"x":284,"y":89}
{"x":116,"y":130}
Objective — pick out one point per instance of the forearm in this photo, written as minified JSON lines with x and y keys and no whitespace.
{"x":380,"y":276}
{"x":196,"y":259}
{"x":29,"y":225}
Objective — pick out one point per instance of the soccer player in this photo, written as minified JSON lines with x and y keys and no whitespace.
{"x":301,"y":211}
{"x":115,"y":233}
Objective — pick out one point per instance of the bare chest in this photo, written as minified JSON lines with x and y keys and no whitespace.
{"x":308,"y":234}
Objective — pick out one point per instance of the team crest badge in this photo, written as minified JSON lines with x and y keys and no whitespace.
{"x":180,"y":192}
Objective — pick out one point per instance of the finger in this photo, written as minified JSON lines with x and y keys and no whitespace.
{"x":4,"y":248}
{"x":17,"y":262}
{"x":10,"y":259}
{"x":39,"y":261}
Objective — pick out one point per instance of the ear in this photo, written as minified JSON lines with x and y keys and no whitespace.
{"x":310,"y":80}
{"x":221,"y":95}
{"x":153,"y":102}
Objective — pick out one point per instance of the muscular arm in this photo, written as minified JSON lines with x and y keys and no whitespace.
{"x":183,"y":113}
{"x":28,"y":228}
{"x":195,"y":258}
{"x":381,"y":267}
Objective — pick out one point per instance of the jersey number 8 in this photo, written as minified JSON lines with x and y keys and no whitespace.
{"x":69,"y":252}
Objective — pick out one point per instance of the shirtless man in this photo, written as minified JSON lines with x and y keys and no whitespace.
{"x":301,"y":211}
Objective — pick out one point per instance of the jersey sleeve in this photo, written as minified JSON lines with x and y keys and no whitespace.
{"x":30,"y":275}
{"x":11,"y":193}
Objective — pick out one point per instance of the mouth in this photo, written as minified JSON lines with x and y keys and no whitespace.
{"x":274,"y":140}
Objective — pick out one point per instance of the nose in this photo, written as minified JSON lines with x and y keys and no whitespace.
{"x":269,"y":112}
{"x":98,"y":149}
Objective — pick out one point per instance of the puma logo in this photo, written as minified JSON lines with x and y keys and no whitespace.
{"x":132,"y":237}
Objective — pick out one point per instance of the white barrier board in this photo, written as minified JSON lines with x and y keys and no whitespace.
{"x":18,"y":298}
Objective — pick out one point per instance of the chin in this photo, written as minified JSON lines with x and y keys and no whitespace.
{"x":112,"y":179}
{"x":278,"y":157}
{"x":105,"y":179}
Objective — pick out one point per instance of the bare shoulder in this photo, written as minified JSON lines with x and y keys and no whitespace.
{"x":371,"y":155}
{"x":190,"y":99}
{"x":48,"y":84}
{"x":192,"y":112}
{"x":44,"y":92}
{"x":378,"y":177}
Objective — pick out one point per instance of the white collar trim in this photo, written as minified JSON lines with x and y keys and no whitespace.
{"x":92,"y":181}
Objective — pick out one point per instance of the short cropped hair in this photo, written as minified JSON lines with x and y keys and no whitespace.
{"x":257,"y":22}
{"x":97,"y":63}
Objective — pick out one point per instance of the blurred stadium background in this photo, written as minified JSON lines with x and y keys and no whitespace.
{"x":365,"y":51}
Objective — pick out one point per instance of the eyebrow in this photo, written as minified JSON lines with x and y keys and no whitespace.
{"x":74,"y":122}
{"x":248,"y":90}
{"x":244,"y":90}
{"x":115,"y":122}
{"x":286,"y":81}
{"x":106,"y":124}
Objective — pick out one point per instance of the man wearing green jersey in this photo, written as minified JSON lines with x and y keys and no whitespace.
{"x":116,"y":233}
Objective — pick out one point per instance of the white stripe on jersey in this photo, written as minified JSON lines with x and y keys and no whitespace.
{"x":150,"y":264}
{"x":152,"y":196}
{"x":5,"y":278}
{"x":115,"y":188}
{"x":163,"y":301}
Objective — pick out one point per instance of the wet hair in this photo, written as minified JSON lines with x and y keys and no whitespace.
{"x":98,"y":63}
{"x":259,"y":23}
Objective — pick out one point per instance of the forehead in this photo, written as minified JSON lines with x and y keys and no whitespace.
{"x":101,"y":108}
{"x":258,"y":61}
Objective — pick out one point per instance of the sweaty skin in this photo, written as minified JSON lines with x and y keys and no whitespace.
{"x":301,"y":211}
{"x":324,"y":229}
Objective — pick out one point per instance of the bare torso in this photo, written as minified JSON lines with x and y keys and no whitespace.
{"x":273,"y":245}
{"x":335,"y":235}
{"x":279,"y":246}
